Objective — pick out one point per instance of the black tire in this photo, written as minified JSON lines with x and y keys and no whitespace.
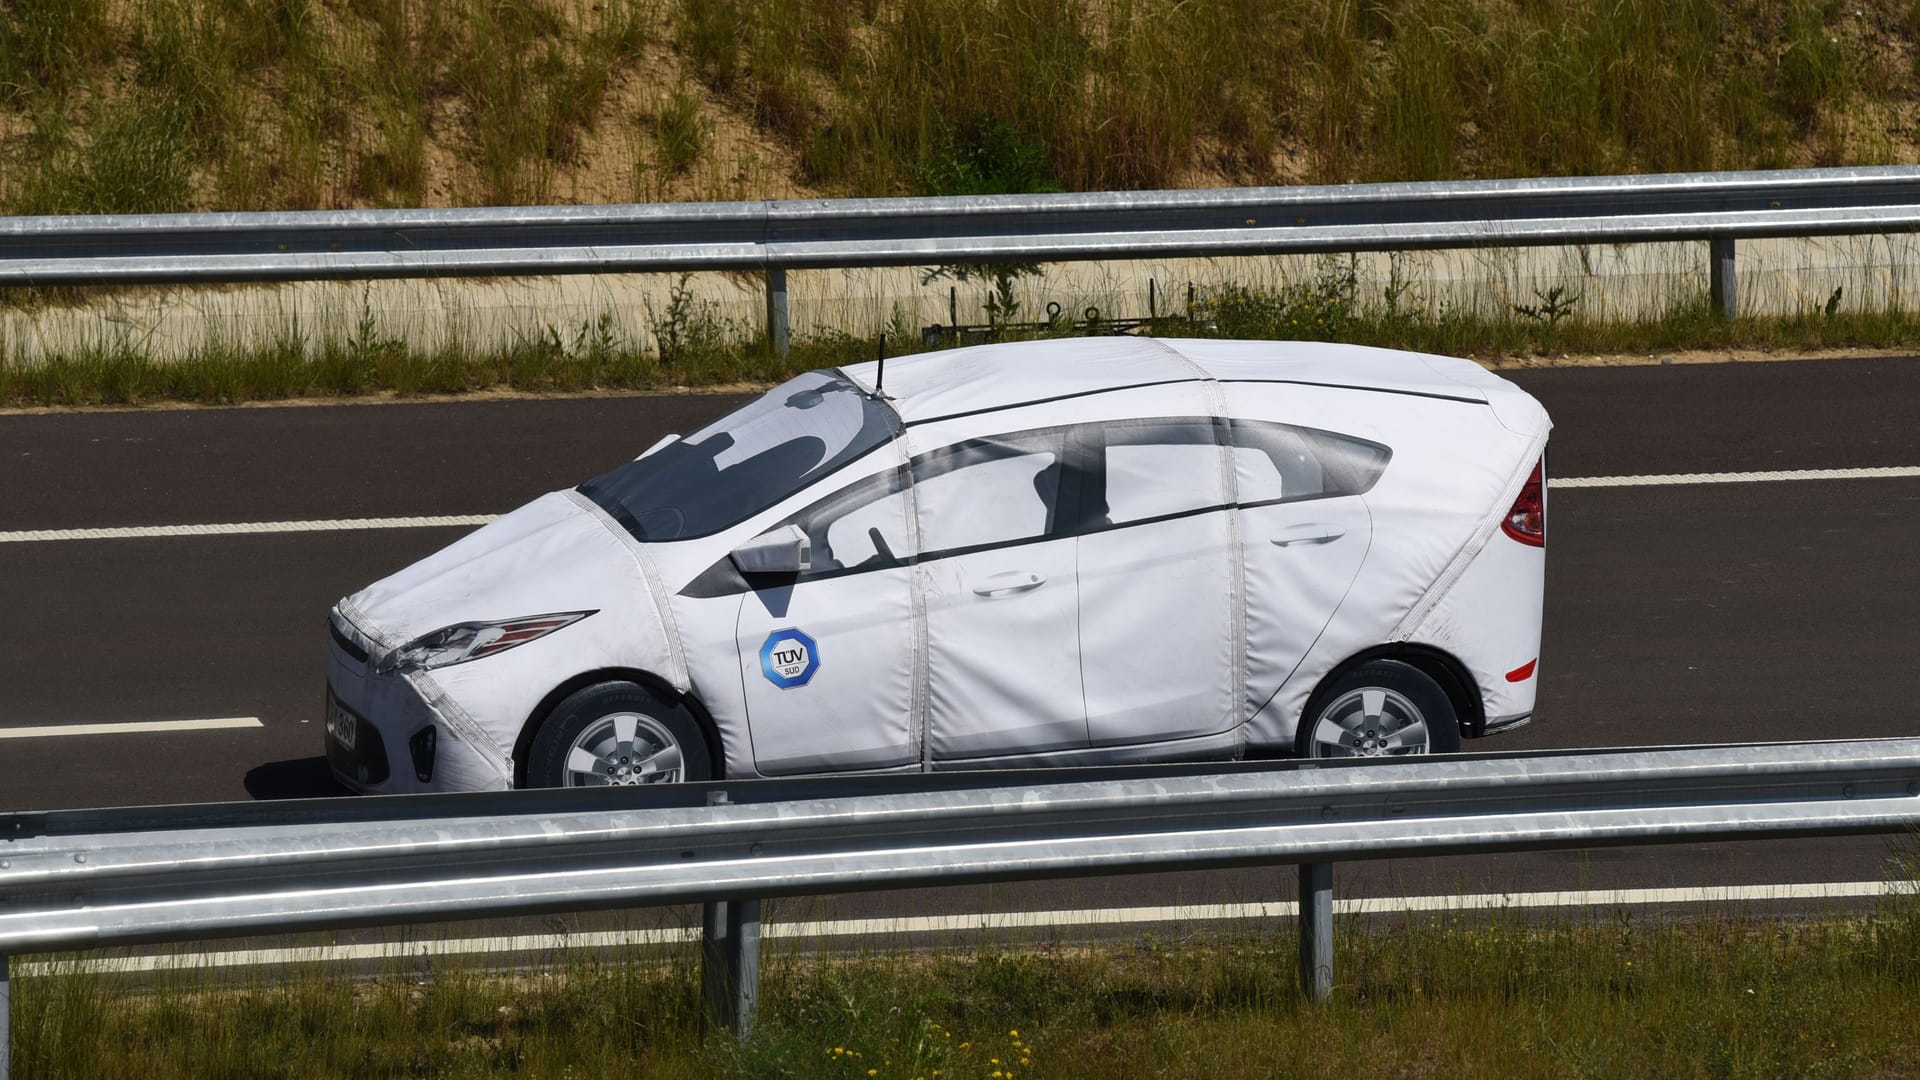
{"x":635,"y":736}
{"x":1374,"y":711}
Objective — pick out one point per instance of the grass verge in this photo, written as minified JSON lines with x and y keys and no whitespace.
{"x":689,"y":345}
{"x":1484,"y":995}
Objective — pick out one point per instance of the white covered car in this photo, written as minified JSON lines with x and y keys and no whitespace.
{"x":1048,"y":553}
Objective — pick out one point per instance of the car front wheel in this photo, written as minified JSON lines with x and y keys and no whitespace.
{"x":618,"y":734}
{"x":1383,"y":708}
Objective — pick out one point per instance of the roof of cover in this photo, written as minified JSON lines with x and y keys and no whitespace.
{"x":929,"y":385}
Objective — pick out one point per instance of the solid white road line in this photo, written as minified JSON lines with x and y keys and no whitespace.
{"x":263,"y":528}
{"x":133,"y":727}
{"x":243,"y":528}
{"x":1676,"y":479}
{"x":965,"y":924}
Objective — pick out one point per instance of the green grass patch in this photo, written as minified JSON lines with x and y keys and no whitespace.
{"x":302,"y":104}
{"x":690,"y":344}
{"x":294,"y":104}
{"x":1483,"y":995}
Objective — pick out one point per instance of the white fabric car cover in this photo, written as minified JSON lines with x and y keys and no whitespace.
{"x":1075,"y":550}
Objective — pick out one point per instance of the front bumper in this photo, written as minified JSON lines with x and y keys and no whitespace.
{"x":356,"y":751}
{"x":383,"y":735}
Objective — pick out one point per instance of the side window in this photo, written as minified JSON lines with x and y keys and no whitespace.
{"x":1157,"y":468}
{"x":989,"y":491}
{"x":1273,"y":462}
{"x":859,"y":527}
{"x":1279,"y":462}
{"x":863,"y":526}
{"x":1258,"y":476}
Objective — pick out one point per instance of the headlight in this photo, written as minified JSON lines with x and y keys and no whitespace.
{"x":461,"y":642}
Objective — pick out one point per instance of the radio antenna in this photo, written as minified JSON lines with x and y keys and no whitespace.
{"x":880,"y":374}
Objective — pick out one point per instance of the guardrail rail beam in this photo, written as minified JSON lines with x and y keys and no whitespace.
{"x":86,"y":879}
{"x":772,"y":237}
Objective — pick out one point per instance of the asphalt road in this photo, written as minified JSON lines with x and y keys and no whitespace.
{"x":1677,"y":614}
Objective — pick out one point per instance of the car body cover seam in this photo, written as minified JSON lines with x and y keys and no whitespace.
{"x":1237,"y":715}
{"x":872,"y":392}
{"x":920,"y":679}
{"x":919,"y":693}
{"x":364,"y":626}
{"x":662,"y":610}
{"x":463,"y":726}
{"x":1416,"y":616}
{"x":459,"y":722}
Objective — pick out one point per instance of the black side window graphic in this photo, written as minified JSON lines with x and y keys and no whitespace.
{"x":1284,"y":463}
{"x":863,"y":527}
{"x":990,"y":492}
{"x":1007,"y":489}
{"x":860,"y":527}
{"x":1153,"y":469}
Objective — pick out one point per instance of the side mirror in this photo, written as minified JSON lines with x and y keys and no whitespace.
{"x":783,"y":551}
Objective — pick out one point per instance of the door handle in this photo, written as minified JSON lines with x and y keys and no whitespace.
{"x":1018,"y":581}
{"x":1309,"y":534}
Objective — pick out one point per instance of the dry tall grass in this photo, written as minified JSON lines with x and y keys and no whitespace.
{"x":242,"y":104}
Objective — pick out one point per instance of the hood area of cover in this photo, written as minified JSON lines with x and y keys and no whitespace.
{"x":550,"y":555}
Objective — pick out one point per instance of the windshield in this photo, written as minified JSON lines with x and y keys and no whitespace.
{"x":746,"y":461}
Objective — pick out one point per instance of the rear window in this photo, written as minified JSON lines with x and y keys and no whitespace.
{"x":746,"y":461}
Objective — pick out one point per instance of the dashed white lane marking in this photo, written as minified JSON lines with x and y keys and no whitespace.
{"x":260,"y":528}
{"x":243,"y":528}
{"x":1676,"y":479}
{"x":132,"y":727}
{"x":968,"y":924}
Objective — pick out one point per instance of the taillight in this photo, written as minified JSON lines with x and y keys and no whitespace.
{"x":1527,"y":521}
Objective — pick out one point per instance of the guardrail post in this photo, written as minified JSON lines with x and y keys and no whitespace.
{"x":1720,"y":278}
{"x":729,"y":958}
{"x":1316,"y":930}
{"x":730,"y":964}
{"x":777,"y":310}
{"x":6,"y":1018}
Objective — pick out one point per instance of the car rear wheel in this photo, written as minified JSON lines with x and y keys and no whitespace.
{"x":1383,"y":708}
{"x":618,"y":734}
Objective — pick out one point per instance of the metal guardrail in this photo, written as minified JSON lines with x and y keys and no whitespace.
{"x":83,"y":879}
{"x":774,"y":237}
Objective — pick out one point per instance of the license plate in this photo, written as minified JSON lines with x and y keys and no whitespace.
{"x":341,"y":724}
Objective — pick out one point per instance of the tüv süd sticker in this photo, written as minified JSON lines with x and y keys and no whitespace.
{"x":789,"y":658}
